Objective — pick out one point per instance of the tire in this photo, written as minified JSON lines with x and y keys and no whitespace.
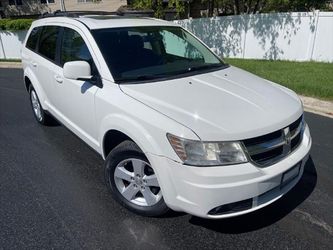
{"x":39,"y":113}
{"x":132,"y":181}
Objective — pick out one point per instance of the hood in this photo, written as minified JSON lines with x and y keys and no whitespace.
{"x":229,"y":104}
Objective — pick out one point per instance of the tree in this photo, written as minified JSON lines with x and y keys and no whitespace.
{"x":295,"y":5}
{"x":230,"y":7}
{"x":238,"y":7}
{"x":159,"y":7}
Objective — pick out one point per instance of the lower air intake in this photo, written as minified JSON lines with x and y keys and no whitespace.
{"x":232,"y":207}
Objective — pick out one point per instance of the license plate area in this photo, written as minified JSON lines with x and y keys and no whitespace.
{"x":291,"y":174}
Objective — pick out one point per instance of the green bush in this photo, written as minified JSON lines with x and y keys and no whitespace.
{"x":15,"y":24}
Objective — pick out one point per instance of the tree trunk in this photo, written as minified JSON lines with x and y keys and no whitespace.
{"x":195,"y":7}
{"x":257,"y":7}
{"x":210,"y":8}
{"x":248,"y":6}
{"x":236,"y":7}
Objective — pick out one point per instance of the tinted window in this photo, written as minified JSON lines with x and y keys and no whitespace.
{"x":48,"y":42}
{"x":33,"y":38}
{"x":177,"y":46}
{"x":75,"y":49}
{"x":145,"y":53}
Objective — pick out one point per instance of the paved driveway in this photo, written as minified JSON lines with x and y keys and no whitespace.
{"x":52,"y":195}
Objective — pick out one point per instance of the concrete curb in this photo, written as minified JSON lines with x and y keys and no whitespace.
{"x":317,"y":106}
{"x":15,"y":65}
{"x":311,"y":104}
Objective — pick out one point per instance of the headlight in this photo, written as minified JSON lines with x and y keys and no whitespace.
{"x":198,"y":153}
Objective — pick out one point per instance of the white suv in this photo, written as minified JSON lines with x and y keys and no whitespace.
{"x":178,"y":128}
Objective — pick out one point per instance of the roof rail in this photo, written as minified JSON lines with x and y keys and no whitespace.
{"x":59,"y":13}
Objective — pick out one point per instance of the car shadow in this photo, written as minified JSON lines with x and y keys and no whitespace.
{"x":52,"y":122}
{"x":85,"y":87}
{"x":270,"y":214}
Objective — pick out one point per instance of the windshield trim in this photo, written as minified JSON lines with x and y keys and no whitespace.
{"x":172,"y":77}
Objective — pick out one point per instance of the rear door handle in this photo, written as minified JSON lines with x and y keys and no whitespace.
{"x":34,"y":64}
{"x":58,"y":79}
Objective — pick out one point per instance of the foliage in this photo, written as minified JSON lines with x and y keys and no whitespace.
{"x":15,"y":24}
{"x":149,"y":5}
{"x":178,"y":5}
{"x":143,"y":4}
{"x":307,"y":78}
{"x":295,"y":5}
{"x":229,"y":7}
{"x":159,"y":8}
{"x":237,"y":7}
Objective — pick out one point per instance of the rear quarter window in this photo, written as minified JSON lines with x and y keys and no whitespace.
{"x":48,"y":42}
{"x":33,"y":38}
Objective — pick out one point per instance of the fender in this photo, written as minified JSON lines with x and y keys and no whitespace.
{"x":147,"y":143}
{"x":144,"y":125}
{"x":132,"y":129}
{"x":37,"y":86}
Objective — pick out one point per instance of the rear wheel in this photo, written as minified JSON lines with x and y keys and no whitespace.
{"x":39,"y":113}
{"x":132,"y":180}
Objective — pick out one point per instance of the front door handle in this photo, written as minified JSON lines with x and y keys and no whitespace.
{"x":34,"y":64}
{"x":58,"y":79}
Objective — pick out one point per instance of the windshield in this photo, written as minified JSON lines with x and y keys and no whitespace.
{"x":146,"y":53}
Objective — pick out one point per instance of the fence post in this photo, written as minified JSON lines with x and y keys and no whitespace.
{"x":315,"y":34}
{"x":2,"y":47}
{"x":246,"y":22}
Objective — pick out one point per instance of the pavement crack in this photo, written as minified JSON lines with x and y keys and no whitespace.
{"x":308,"y":217}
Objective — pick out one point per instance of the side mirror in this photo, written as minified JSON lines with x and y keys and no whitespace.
{"x":77,"y":70}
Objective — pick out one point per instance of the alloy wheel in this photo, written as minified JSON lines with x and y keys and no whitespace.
{"x":36,"y":105}
{"x":137,"y":182}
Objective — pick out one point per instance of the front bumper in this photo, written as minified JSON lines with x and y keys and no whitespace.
{"x":198,"y":190}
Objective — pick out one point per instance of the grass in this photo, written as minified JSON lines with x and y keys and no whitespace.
{"x":10,"y":60}
{"x":306,"y":78}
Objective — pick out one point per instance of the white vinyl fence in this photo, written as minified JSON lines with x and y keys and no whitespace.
{"x":300,"y":36}
{"x":11,"y":43}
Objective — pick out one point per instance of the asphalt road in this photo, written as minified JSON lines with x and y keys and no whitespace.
{"x":52,"y":195}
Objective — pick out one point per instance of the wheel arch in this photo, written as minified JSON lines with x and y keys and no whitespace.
{"x":27,"y":83}
{"x":31,"y":79}
{"x":111,"y":139}
{"x":122,"y":128}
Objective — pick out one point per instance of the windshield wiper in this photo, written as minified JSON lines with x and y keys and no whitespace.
{"x":203,"y":67}
{"x":140,"y":78}
{"x":200,"y":68}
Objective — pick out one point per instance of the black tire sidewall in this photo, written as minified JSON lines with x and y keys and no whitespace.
{"x":120,"y":153}
{"x":42,"y":121}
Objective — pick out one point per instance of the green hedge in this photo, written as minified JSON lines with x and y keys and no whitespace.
{"x":15,"y":24}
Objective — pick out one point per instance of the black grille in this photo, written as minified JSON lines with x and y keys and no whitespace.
{"x":268,"y":149}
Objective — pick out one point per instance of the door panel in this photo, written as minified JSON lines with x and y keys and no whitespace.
{"x":44,"y":64}
{"x":75,"y":98}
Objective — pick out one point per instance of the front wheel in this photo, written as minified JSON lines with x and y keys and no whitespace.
{"x":132,"y":180}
